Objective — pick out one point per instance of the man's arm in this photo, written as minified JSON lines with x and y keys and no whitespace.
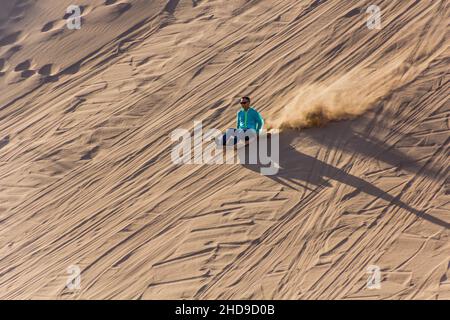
{"x":259,"y":121}
{"x":237,"y":120}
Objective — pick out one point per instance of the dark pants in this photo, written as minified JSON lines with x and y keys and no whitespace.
{"x":231,"y":133}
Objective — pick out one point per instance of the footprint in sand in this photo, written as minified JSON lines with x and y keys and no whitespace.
{"x":25,"y":69}
{"x":25,"y":65}
{"x":48,"y":26}
{"x":54,"y":26}
{"x":10,"y":38}
{"x":59,"y":25}
{"x":352,"y":13}
{"x":27,"y":73}
{"x":84,"y":10}
{"x":49,"y":73}
{"x":4,"y":141}
{"x":12,"y":51}
{"x":47,"y":70}
{"x":89,"y":155}
{"x":73,"y":69}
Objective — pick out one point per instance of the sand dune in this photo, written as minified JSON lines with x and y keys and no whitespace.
{"x":86,"y":177}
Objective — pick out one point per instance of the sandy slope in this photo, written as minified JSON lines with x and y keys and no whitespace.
{"x":85,"y":171}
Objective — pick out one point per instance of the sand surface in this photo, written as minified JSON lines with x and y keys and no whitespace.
{"x":86,"y":177}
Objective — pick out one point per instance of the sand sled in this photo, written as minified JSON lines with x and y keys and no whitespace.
{"x":237,"y":141}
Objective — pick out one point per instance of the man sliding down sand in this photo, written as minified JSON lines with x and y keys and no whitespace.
{"x":248,"y":119}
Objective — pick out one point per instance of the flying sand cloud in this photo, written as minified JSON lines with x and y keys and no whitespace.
{"x":342,"y":98}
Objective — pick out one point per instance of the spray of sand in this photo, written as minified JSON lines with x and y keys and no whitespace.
{"x":315,"y":105}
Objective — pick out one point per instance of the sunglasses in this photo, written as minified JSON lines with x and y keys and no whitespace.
{"x":244,"y":102}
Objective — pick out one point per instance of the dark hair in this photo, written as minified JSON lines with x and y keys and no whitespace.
{"x":246,"y":98}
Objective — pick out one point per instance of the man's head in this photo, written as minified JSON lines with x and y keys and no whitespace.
{"x":245,"y":102}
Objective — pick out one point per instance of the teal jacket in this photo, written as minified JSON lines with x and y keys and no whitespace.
{"x":250,"y":119}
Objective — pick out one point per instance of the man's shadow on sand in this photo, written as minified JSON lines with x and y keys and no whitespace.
{"x":299,"y":171}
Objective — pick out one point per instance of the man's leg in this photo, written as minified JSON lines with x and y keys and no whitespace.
{"x":243,"y":135}
{"x":229,"y":133}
